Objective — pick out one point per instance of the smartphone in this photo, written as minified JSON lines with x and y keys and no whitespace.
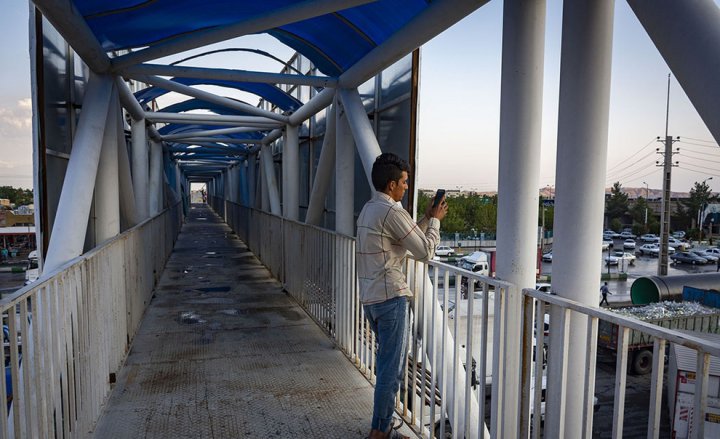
{"x":438,"y":196}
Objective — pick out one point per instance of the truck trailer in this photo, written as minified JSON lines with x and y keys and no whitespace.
{"x":689,"y":316}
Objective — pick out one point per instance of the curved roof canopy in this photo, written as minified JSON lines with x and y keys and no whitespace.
{"x":269,"y":92}
{"x":333,"y":42}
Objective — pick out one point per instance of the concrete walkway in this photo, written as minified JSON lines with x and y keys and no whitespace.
{"x":223,"y":353}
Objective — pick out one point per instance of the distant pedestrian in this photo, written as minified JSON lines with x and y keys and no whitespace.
{"x":4,"y":253}
{"x":604,"y":290}
{"x":718,"y":265}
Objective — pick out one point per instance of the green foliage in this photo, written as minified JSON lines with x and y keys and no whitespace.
{"x":17,"y":196}
{"x":465,"y":213}
{"x":687,"y":210}
{"x":615,"y":224}
{"x":617,"y":204}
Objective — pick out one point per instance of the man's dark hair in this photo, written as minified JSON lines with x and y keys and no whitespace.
{"x":387,"y":167}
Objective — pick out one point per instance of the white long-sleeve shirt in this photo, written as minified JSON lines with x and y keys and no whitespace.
{"x":386,"y":232}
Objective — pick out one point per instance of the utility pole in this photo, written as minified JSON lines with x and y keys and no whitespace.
{"x":667,"y":173}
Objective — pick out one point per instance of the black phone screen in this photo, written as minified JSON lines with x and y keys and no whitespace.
{"x":438,"y":196}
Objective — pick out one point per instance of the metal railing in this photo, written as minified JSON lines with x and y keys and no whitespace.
{"x":69,"y":332}
{"x":455,"y":379}
{"x":537,"y":304}
{"x":319,"y":272}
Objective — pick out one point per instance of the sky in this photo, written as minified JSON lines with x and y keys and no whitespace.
{"x":460,"y":106}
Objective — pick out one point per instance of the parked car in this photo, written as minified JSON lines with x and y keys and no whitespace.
{"x":618,"y":256}
{"x":679,"y":234}
{"x":629,"y":244}
{"x":444,"y":250}
{"x":707,"y":255}
{"x":611,"y":234}
{"x":606,"y":244}
{"x":650,"y":237}
{"x":653,"y":250}
{"x":627,"y":235}
{"x":682,"y":245}
{"x":713,"y":251}
{"x":688,"y":258}
{"x":547,"y":257}
{"x":649,"y":250}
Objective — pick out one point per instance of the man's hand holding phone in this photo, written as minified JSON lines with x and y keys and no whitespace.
{"x":438,"y":208}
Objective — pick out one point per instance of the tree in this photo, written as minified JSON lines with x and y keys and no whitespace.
{"x":617,"y":204}
{"x":17,"y":196}
{"x":700,"y":196}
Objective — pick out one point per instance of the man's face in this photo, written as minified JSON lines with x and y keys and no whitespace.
{"x":398,"y":188}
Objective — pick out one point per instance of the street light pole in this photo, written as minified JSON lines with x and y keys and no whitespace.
{"x":647,"y":190}
{"x":701,"y":211}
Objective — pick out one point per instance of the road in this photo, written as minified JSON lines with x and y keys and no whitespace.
{"x":644,"y":266}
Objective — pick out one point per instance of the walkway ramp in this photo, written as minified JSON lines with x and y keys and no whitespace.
{"x":223,"y":353}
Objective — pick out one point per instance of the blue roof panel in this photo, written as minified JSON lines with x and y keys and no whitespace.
{"x":332,"y":41}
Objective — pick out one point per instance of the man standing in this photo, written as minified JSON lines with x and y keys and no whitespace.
{"x":605,"y":291}
{"x":386,"y":232}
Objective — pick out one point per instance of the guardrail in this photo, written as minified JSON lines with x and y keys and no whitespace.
{"x":69,"y":332}
{"x":538,"y":304}
{"x":455,"y":379}
{"x":319,"y":272}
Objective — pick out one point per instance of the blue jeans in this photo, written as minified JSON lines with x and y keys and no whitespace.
{"x":389,"y":322}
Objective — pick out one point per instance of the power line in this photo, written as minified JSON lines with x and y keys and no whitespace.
{"x":626,"y":177}
{"x":633,"y":155}
{"x":683,"y":154}
{"x":697,"y":171}
{"x":620,"y":171}
{"x":715,"y":146}
{"x":704,"y":167}
{"x":697,"y":140}
{"x":714,"y":153}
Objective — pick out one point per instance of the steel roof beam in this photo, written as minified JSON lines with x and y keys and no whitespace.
{"x":201,"y":133}
{"x":251,"y":25}
{"x":166,"y":84}
{"x":228,"y":75}
{"x":221,"y":140}
{"x":132,"y":106}
{"x":436,"y":18}
{"x":67,"y":20}
{"x":208,"y":119}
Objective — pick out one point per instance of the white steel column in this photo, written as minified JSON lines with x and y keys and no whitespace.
{"x":73,"y":213}
{"x":128,"y":212}
{"x":251,"y":179}
{"x":264,"y":196}
{"x":520,"y":127}
{"x":155,"y":178}
{"x":367,"y":144}
{"x":344,"y":174}
{"x":323,"y":173}
{"x":687,"y":35}
{"x":291,"y":172}
{"x":580,"y":196}
{"x":107,"y":194}
{"x":242,"y":184}
{"x":140,"y":167}
{"x":271,"y":183}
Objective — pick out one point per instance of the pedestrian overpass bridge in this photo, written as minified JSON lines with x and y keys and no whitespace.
{"x":160,"y":318}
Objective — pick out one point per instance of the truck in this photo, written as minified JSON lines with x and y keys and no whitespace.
{"x":32,"y":271}
{"x":692,"y":317}
{"x":477,"y":262}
